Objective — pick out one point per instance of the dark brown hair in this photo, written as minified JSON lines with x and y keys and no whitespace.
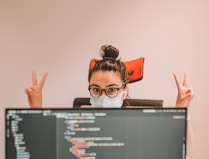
{"x":110,"y":62}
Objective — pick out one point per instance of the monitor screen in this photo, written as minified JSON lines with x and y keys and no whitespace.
{"x":99,"y":133}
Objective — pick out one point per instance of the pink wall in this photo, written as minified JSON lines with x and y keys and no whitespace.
{"x":62,"y":36}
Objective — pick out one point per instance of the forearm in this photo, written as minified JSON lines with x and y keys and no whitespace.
{"x":190,"y":140}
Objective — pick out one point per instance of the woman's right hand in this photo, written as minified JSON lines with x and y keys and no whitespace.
{"x":34,"y":92}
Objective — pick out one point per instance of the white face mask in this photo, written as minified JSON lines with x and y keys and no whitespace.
{"x":108,"y":102}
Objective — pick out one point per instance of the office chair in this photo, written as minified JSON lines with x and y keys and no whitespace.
{"x":79,"y":101}
{"x":135,"y":68}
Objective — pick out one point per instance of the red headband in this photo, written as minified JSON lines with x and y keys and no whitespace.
{"x":134,"y":67}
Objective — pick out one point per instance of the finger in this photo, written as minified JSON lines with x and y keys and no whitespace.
{"x":43,"y":79}
{"x":28,"y":90}
{"x":185,"y":79}
{"x":190,"y":92}
{"x":34,"y":79}
{"x":189,"y":96}
{"x":177,"y":82}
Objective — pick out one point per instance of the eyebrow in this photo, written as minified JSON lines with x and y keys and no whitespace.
{"x":110,"y":85}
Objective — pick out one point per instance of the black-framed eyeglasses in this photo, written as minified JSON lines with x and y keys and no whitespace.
{"x":109,"y":91}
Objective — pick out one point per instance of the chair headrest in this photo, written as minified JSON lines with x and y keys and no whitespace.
{"x":134,"y":67}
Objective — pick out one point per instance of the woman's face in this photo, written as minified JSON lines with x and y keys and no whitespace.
{"x":104,"y":80}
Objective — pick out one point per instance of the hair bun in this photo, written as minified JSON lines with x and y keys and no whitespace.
{"x":109,"y":52}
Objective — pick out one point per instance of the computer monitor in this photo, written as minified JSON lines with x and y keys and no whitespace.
{"x":99,"y":133}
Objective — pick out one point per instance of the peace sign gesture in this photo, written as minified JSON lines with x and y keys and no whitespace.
{"x":34,"y":92}
{"x":185,"y":94}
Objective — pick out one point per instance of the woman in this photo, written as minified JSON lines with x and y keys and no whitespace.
{"x":108,"y":87}
{"x":108,"y":81}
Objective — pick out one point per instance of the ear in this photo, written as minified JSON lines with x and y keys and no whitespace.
{"x":125,"y":94}
{"x":126,"y":88}
{"x":135,"y":68}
